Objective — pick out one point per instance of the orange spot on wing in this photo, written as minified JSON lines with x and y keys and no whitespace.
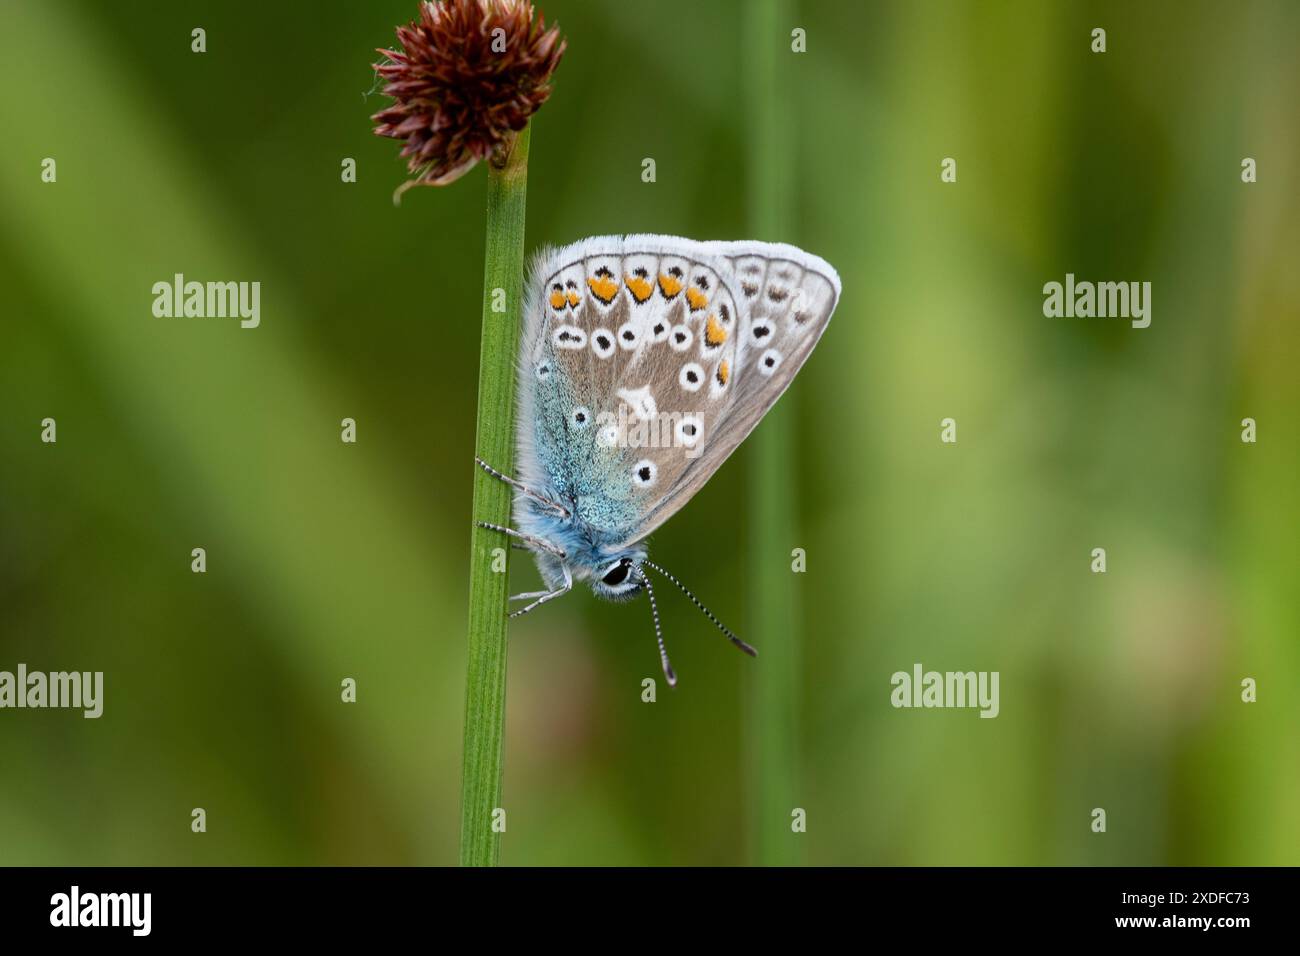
{"x":574,"y":298}
{"x":714,"y":334}
{"x":724,"y":373}
{"x":696,"y":298}
{"x":557,"y":300}
{"x":603,"y":288}
{"x":640,"y":288}
{"x":669,"y":285}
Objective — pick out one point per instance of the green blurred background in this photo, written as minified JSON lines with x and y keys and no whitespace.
{"x":327,"y":560}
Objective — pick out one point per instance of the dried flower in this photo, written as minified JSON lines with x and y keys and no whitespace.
{"x":467,"y":77}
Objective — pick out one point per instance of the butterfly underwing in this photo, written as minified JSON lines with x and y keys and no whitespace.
{"x":644,"y":362}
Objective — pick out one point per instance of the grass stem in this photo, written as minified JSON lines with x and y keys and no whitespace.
{"x":485,"y":682}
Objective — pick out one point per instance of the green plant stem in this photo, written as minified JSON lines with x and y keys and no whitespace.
{"x":773,"y":489}
{"x":485,"y":682}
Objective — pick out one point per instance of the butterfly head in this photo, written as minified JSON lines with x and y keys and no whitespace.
{"x":619,"y":579}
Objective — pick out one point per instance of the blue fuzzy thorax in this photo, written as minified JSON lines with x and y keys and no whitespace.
{"x":589,"y":550}
{"x":590,"y":482}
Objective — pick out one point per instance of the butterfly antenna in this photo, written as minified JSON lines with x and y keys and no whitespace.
{"x":707,"y":613}
{"x":659,"y":634}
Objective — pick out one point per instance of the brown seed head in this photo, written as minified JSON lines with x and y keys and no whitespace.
{"x":468,"y":75}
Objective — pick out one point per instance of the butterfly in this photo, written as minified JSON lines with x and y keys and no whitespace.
{"x":644,"y":362}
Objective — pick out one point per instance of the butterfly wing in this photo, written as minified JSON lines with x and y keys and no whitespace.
{"x":646,"y":360}
{"x":784,"y":299}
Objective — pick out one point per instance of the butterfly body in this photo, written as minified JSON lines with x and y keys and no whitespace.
{"x":589,"y":552}
{"x":644,"y":362}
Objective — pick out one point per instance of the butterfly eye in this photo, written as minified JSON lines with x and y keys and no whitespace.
{"x":618,"y":573}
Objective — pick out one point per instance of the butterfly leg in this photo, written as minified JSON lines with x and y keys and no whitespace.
{"x":520,"y":487}
{"x":548,"y":595}
{"x":528,"y":595}
{"x":528,"y":539}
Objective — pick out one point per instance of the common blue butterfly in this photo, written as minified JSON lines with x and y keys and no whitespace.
{"x":645,"y":361}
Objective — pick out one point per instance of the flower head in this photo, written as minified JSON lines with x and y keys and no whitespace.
{"x":468,"y":75}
